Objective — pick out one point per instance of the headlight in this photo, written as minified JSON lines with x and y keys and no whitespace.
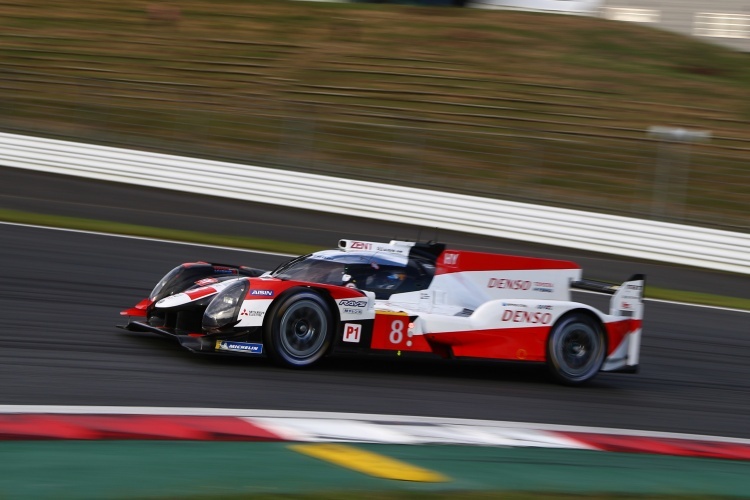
{"x":223,"y":310}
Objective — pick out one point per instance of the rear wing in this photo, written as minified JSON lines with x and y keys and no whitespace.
{"x":627,"y":302}
{"x":627,"y":297}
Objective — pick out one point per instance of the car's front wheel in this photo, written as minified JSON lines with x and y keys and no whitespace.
{"x":575,"y":349}
{"x":299,"y":329}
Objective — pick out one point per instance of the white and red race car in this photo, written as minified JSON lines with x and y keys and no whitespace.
{"x":400,"y":297}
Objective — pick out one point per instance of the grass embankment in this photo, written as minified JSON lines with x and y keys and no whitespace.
{"x":535,"y":107}
{"x":288,"y":248}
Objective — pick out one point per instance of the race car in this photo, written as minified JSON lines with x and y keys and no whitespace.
{"x":399,"y":297}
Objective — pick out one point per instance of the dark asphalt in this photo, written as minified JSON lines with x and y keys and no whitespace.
{"x":62,"y":292}
{"x":70,"y":196}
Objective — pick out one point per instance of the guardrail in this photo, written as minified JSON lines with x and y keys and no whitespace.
{"x":637,"y":238}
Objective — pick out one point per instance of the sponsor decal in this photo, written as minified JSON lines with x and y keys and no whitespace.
{"x":541,"y":286}
{"x":206,"y":281}
{"x":531,"y":317}
{"x":545,"y":307}
{"x":252,"y":314}
{"x":450,"y":259}
{"x":399,"y":251}
{"x":511,"y":304}
{"x":246,"y":347}
{"x":633,"y":287}
{"x":262,"y":293}
{"x":509,"y":284}
{"x":348,"y":310}
{"x":353,"y":303}
{"x":352,"y":332}
{"x":374,"y":247}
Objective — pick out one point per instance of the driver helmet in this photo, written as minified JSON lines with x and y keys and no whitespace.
{"x":386,"y":279}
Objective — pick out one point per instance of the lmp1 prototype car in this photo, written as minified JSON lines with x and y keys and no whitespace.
{"x":401,"y":297}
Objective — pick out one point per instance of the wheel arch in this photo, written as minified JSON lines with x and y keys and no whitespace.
{"x":323,"y":294}
{"x":589,"y":313}
{"x":595,"y":321}
{"x":326,"y":295}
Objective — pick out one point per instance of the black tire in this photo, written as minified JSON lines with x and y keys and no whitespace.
{"x":575,"y":349}
{"x":299,"y":329}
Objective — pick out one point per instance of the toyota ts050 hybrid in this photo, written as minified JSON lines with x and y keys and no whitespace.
{"x":401,"y":297}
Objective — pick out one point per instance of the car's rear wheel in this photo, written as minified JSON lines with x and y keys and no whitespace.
{"x":299,"y":329}
{"x":575,"y":349}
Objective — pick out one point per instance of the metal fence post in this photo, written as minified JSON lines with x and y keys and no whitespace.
{"x":672,"y":171}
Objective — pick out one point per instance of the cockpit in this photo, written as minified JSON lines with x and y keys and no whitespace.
{"x":381,"y":273}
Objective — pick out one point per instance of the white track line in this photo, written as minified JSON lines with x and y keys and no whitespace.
{"x":144,"y":238}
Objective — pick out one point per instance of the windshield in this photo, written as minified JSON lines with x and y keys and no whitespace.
{"x":383,"y":274}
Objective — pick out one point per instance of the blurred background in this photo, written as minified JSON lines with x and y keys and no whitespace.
{"x":633,"y":107}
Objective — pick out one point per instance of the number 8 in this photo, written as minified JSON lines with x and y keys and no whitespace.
{"x":397,"y":332}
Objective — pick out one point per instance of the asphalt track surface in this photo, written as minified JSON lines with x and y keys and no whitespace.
{"x":62,"y":292}
{"x":74,"y":197}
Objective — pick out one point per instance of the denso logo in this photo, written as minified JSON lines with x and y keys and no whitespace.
{"x":352,"y":303}
{"x":361,"y":245}
{"x":264,"y":293}
{"x":531,"y":317}
{"x":509,"y":284}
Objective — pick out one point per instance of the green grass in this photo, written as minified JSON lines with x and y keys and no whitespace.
{"x":155,"y":232}
{"x":142,"y":74}
{"x":287,"y":248}
{"x":697,"y":298}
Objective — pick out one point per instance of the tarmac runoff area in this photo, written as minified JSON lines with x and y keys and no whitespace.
{"x":118,"y":452}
